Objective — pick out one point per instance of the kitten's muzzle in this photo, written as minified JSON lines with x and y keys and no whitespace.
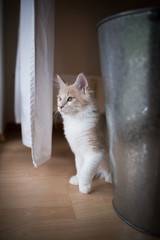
{"x":61,"y":107}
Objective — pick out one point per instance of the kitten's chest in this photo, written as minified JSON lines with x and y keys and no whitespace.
{"x":74,"y":129}
{"x":76,"y":132}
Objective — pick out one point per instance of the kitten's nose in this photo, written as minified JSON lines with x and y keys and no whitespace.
{"x":61,"y":106}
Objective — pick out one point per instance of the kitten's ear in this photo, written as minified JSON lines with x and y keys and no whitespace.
{"x":81,"y":83}
{"x":60,"y":82}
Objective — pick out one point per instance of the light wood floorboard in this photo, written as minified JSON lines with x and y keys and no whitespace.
{"x":40,"y":204}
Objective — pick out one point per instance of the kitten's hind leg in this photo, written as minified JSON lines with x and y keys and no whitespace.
{"x":108,"y":178}
{"x":74,"y":180}
{"x":103,"y":171}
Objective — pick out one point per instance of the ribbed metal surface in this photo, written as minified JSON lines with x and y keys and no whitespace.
{"x":129,"y":46}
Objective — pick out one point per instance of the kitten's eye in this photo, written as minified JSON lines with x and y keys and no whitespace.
{"x":59,"y":98}
{"x":70,"y":99}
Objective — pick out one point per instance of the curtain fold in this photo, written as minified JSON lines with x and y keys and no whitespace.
{"x":34,"y":77}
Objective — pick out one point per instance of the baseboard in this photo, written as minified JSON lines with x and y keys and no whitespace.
{"x":11,"y":126}
{"x":2,"y":137}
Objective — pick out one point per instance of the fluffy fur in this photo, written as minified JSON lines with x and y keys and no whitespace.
{"x":85,"y":132}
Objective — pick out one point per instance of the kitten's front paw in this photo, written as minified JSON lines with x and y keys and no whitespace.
{"x":74,"y":180}
{"x":85,"y":188}
{"x":108,"y":178}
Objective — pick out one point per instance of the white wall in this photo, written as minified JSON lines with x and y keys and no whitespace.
{"x":1,"y":72}
{"x":76,"y":42}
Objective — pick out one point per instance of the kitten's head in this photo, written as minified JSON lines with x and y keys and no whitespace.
{"x":73,"y":98}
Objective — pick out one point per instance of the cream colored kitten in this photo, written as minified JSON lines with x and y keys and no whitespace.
{"x":85,"y":132}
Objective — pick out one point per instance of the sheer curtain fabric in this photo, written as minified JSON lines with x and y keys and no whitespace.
{"x":34,"y":77}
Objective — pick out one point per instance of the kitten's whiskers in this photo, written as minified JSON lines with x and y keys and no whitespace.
{"x":55,"y":117}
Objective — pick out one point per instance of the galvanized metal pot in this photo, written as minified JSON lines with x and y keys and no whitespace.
{"x":129,"y":46}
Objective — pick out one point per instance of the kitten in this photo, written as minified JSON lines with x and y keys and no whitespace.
{"x":84,"y":130}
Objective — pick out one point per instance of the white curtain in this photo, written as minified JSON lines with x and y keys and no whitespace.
{"x":34,"y":77}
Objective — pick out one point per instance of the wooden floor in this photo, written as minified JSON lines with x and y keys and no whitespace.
{"x":40,"y":204}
